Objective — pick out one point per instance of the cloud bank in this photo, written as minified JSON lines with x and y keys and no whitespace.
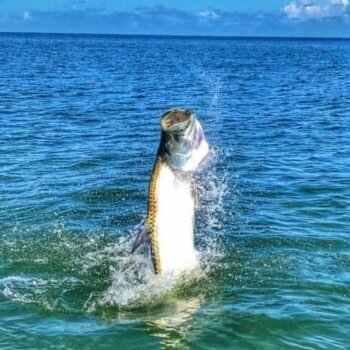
{"x":305,"y":9}
{"x":296,"y":18}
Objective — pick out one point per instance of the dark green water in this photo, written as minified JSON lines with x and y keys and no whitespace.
{"x":78,"y":134}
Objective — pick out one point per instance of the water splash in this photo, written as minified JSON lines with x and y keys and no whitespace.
{"x":211,"y":108}
{"x":133,"y":284}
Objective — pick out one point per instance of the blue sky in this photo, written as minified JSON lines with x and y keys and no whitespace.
{"x":201,"y":17}
{"x":130,"y":5}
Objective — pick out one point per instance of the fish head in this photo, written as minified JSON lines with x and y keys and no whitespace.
{"x":183,"y":142}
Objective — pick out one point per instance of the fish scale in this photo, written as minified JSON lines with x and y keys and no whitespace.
{"x":151,"y":216}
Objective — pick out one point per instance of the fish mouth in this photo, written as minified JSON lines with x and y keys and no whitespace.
{"x":176,"y":120}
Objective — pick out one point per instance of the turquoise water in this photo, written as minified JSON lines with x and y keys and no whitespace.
{"x":79,"y":127}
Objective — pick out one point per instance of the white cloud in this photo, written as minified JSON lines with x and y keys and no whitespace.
{"x":209,"y":14}
{"x":27,"y":15}
{"x":304,"y":9}
{"x":340,"y":2}
{"x":293,"y":10}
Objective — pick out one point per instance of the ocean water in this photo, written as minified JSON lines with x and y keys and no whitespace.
{"x":79,"y":129}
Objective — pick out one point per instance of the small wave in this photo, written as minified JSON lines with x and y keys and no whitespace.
{"x":22,"y":289}
{"x":36,"y":290}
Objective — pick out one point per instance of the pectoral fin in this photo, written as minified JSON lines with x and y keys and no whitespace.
{"x":142,"y":236}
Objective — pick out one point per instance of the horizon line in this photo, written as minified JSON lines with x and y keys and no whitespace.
{"x":185,"y":35}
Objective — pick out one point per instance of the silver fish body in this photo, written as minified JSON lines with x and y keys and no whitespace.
{"x":169,"y":224}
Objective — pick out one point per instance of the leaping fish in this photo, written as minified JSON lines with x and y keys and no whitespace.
{"x":169,"y":224}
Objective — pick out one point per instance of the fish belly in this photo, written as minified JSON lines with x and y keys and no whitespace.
{"x":175,"y":222}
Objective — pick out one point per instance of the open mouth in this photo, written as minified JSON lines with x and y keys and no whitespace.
{"x":175,"y":120}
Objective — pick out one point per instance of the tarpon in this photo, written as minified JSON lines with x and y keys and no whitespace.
{"x":169,"y":224}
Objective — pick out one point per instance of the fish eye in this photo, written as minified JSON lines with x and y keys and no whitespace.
{"x":187,"y":112}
